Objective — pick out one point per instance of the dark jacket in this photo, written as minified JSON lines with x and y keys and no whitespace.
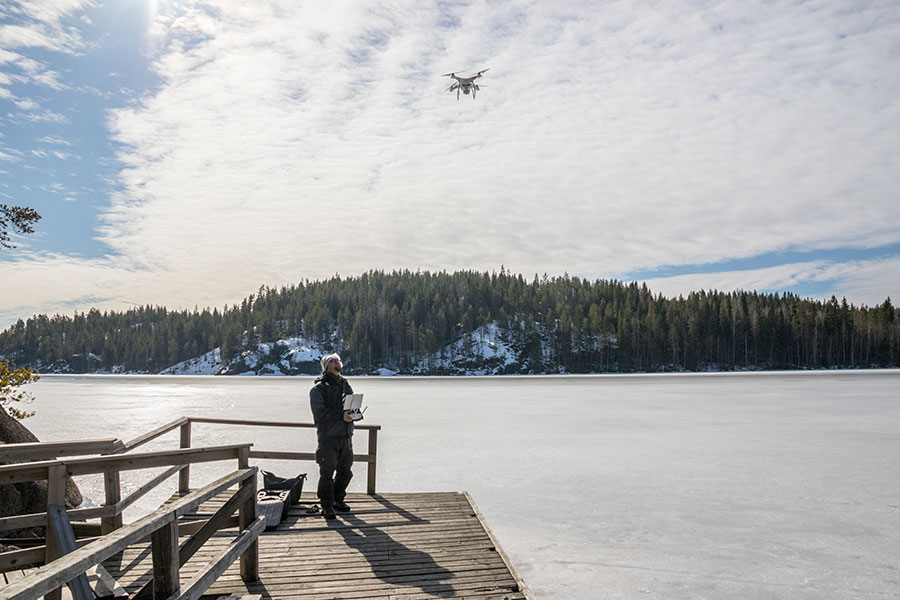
{"x":326,"y":400}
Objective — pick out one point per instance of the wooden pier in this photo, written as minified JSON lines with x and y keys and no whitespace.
{"x":209,"y":542}
{"x":390,"y":547}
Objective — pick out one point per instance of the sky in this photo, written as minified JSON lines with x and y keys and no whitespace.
{"x":184,"y":153}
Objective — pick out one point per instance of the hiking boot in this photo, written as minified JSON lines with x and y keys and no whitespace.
{"x":328,"y":513}
{"x":341,"y":506}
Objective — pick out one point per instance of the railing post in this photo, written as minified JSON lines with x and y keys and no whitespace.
{"x":164,"y":546}
{"x":246,"y":517}
{"x":184,"y":477}
{"x":62,"y":532}
{"x":56,"y":496}
{"x":373,"y":451}
{"x":113,"y":490}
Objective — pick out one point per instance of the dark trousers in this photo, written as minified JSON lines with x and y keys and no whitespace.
{"x":335,"y":458}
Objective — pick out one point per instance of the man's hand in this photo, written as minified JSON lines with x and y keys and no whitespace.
{"x":347,"y":416}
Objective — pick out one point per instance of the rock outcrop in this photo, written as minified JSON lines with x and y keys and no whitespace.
{"x":31,"y":496}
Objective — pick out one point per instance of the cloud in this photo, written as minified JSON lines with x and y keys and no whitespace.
{"x":107,"y":283}
{"x":867,"y":282}
{"x":49,"y":139}
{"x":43,"y":25}
{"x":55,"y":188}
{"x":10,"y":154}
{"x":26,"y":104}
{"x":294,"y":140}
{"x":860,"y":281}
{"x":42,"y":116}
{"x":723,"y":144}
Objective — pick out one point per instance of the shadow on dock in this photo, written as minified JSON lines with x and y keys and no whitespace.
{"x":387,"y":557}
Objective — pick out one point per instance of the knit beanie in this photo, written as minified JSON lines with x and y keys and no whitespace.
{"x":328,"y":358}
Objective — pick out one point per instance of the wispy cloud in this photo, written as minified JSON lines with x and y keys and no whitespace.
{"x":296,"y":140}
{"x":39,"y":116}
{"x":860,"y":281}
{"x":26,"y":104}
{"x":42,"y":24}
{"x":28,"y":25}
{"x":49,"y":139}
{"x":10,"y":154}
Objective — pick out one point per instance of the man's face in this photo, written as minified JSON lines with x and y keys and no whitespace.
{"x":335,"y":365}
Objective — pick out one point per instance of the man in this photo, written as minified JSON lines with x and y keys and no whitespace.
{"x":335,"y":430}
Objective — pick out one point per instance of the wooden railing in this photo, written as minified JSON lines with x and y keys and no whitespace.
{"x":110,"y":513}
{"x":371,"y":457}
{"x":31,"y":451}
{"x":46,"y":451}
{"x":65,"y":563}
{"x":53,"y":464}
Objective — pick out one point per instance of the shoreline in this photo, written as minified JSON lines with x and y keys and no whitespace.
{"x":843,"y":370}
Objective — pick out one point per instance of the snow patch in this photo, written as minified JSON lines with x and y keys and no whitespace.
{"x":289,"y":356}
{"x":488,"y":350}
{"x":205,"y":364}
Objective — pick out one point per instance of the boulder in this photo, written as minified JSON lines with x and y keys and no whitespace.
{"x":31,"y":496}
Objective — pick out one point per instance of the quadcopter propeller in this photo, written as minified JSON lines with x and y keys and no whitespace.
{"x":465,"y":71}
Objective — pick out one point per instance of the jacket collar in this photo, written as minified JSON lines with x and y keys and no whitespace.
{"x":331,"y":378}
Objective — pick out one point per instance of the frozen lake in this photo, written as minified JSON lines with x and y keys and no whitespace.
{"x":763,"y":485}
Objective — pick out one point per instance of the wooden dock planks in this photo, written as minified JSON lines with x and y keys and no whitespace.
{"x":390,"y":547}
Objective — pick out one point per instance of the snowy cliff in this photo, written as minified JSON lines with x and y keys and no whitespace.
{"x":488,"y":350}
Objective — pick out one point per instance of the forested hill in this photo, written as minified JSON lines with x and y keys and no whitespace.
{"x":466,"y":322}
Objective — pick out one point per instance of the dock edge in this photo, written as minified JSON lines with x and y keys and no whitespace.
{"x":523,"y":588}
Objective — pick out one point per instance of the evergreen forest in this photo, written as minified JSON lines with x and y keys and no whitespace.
{"x":561,"y":324}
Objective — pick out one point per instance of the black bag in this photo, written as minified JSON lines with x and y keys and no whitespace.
{"x":272,"y":481}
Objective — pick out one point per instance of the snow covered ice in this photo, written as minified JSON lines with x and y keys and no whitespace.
{"x":762,"y":485}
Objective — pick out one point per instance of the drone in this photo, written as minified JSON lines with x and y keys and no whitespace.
{"x":466,"y":84}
